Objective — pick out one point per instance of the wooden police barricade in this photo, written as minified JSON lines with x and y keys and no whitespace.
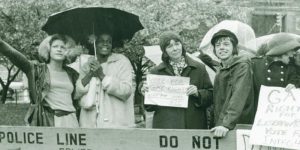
{"x":48,"y":138}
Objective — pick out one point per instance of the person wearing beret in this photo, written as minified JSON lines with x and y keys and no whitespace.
{"x":233,"y":90}
{"x":275,"y":69}
{"x":177,"y":63}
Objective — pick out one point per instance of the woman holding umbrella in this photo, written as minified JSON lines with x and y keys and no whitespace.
{"x":51,"y":83}
{"x":112,"y":105}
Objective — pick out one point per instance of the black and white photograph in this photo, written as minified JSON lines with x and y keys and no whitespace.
{"x":152,"y":75}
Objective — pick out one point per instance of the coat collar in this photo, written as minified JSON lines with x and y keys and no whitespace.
{"x":114,"y":57}
{"x":234,"y":61}
{"x":269,"y":61}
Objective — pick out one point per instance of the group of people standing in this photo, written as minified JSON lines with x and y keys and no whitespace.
{"x":57,"y":91}
{"x":234,"y":94}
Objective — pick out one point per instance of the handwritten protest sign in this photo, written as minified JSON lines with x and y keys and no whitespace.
{"x":242,"y":141}
{"x":167,"y":91}
{"x":277,"y":121}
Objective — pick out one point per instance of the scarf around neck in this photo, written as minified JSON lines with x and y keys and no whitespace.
{"x":178,"y":66}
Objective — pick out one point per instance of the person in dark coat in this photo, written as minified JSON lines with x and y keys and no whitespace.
{"x":233,"y":90}
{"x":296,"y":63}
{"x":177,"y":63}
{"x":275,"y":68}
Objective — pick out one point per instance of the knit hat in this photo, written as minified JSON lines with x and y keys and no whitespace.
{"x":166,"y":37}
{"x":164,"y":41}
{"x":282,"y":43}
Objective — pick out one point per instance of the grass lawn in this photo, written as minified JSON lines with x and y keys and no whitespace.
{"x":13,"y":114}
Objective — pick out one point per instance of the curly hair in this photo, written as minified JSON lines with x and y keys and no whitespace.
{"x":45,"y":46}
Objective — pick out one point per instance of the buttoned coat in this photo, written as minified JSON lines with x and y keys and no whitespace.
{"x":193,"y":117}
{"x":268,"y":72}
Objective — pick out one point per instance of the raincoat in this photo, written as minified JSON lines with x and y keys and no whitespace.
{"x":233,"y":93}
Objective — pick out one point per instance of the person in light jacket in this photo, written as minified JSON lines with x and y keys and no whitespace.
{"x":110,"y":79}
{"x":233,"y":90}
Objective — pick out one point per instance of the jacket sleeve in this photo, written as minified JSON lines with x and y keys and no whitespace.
{"x":15,"y":57}
{"x":241,"y":90}
{"x":293,"y":76}
{"x":120,"y":85}
{"x":205,"y":94}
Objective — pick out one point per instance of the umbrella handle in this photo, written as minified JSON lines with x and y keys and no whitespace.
{"x":95,"y":49}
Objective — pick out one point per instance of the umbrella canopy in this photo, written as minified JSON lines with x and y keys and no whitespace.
{"x":243,"y":31}
{"x":80,"y":23}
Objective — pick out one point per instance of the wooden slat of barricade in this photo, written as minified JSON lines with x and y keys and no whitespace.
{"x":42,"y":138}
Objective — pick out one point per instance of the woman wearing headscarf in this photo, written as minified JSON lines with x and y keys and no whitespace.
{"x":177,"y":63}
{"x":51,"y":83}
{"x":233,"y":90}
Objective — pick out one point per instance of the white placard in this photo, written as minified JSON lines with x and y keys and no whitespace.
{"x":167,"y":91}
{"x":242,"y":141}
{"x":277,"y":121}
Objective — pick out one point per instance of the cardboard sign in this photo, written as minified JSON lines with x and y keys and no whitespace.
{"x":277,"y":121}
{"x":167,"y":91}
{"x":43,"y":138}
{"x":242,"y":142}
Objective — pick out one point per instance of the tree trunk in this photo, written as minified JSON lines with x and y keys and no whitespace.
{"x":4,"y":94}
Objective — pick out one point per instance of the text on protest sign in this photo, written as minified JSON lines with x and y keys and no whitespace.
{"x":277,"y":120}
{"x":167,"y":91}
{"x":242,"y":142}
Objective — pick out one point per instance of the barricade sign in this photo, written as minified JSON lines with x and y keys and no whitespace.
{"x":48,"y":138}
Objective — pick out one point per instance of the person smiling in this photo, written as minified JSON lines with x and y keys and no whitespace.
{"x":177,"y":63}
{"x":112,"y":105}
{"x":233,"y":90}
{"x":51,"y":83}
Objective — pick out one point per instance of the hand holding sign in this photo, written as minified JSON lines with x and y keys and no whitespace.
{"x":192,"y":90}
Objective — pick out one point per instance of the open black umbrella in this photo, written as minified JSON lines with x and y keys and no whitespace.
{"x":80,"y":23}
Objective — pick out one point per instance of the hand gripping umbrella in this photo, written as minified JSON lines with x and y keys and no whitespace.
{"x":81,"y":22}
